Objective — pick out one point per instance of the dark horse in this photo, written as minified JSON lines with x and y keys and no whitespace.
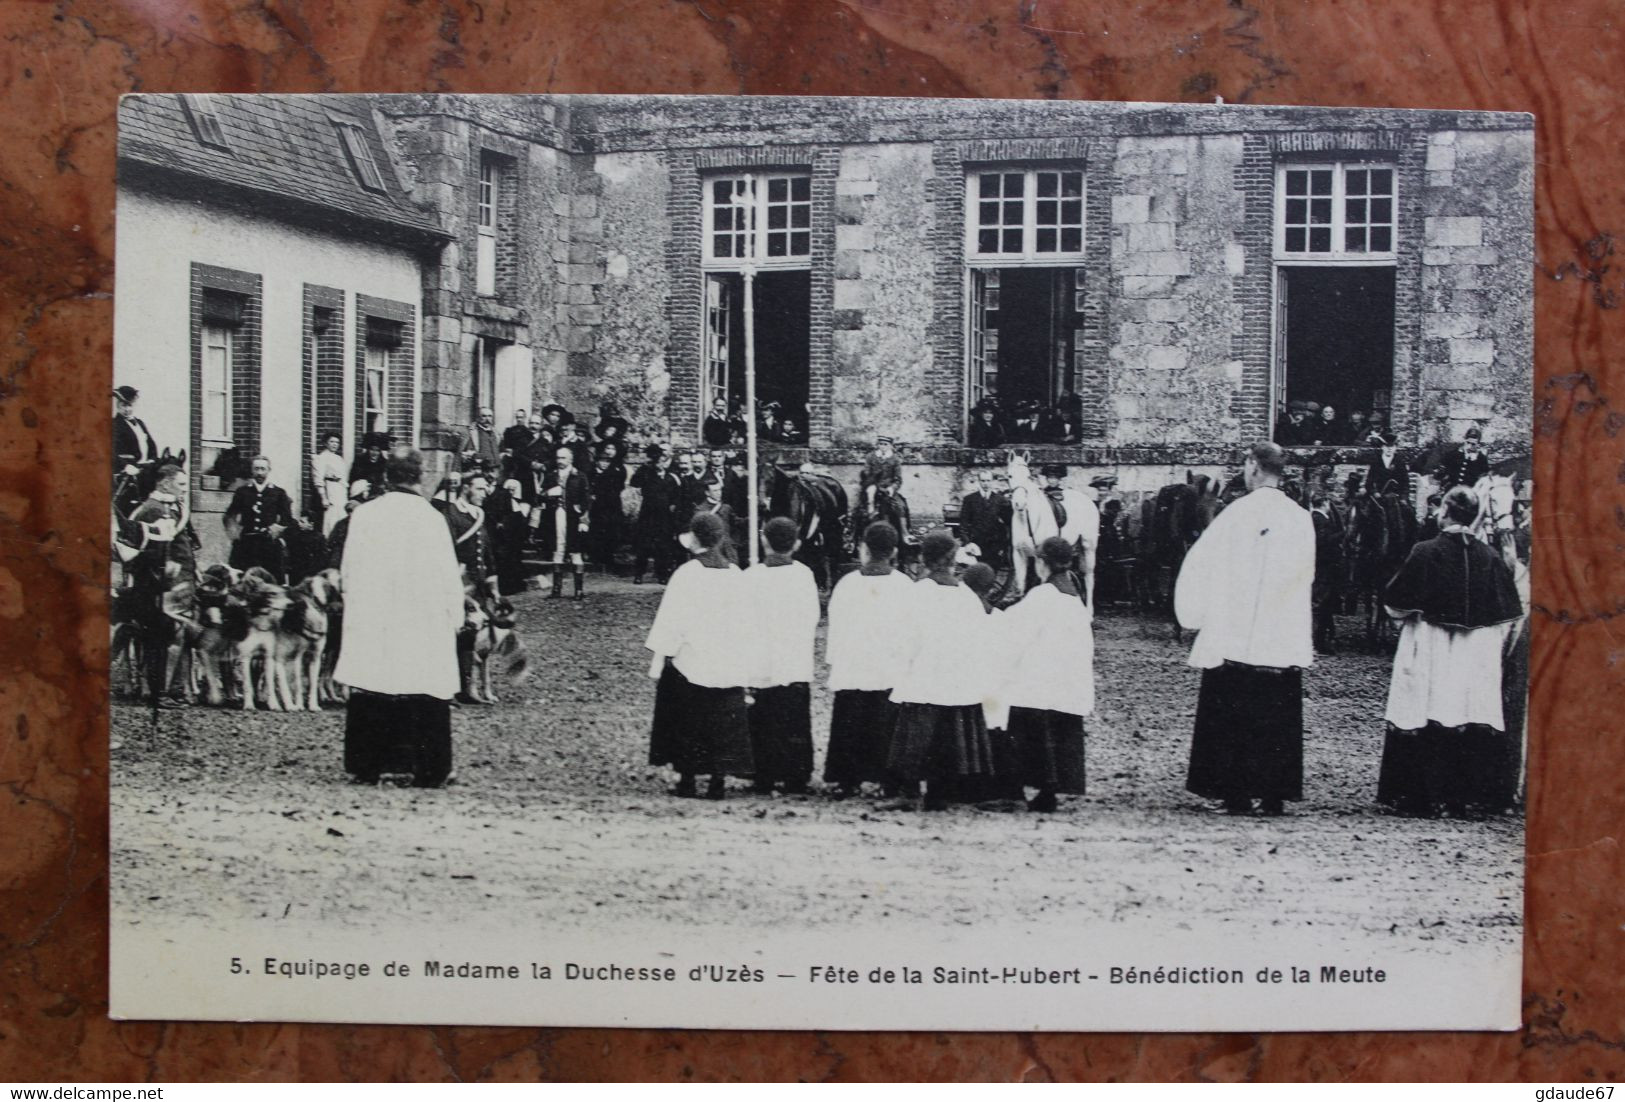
{"x":1171,"y":523}
{"x":1381,"y":532}
{"x":817,"y":503}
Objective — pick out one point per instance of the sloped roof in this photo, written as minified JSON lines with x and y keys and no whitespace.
{"x":285,"y":159}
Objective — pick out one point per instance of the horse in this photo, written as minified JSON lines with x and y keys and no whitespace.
{"x":1171,"y":523}
{"x":1035,"y":516}
{"x":1381,"y":531}
{"x":1496,"y":524}
{"x":817,"y":503}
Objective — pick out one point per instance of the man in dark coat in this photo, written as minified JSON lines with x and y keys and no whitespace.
{"x":984,"y":519}
{"x":718,"y":427}
{"x":1388,"y":467}
{"x":656,"y":531}
{"x":480,"y":446}
{"x":260,"y":511}
{"x":607,"y":520}
{"x":1328,"y":571}
{"x":1465,"y":465}
{"x":516,"y":439}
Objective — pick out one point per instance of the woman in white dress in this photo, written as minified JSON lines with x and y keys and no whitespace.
{"x":330,"y":473}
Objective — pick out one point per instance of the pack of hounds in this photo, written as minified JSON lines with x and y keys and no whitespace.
{"x":241,"y":638}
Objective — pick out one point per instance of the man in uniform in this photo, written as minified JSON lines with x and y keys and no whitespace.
{"x":160,"y":528}
{"x":1328,"y":571}
{"x":470,"y":536}
{"x":1245,"y":589}
{"x":560,"y":512}
{"x":1464,"y":466}
{"x":260,"y":511}
{"x":1388,"y":467}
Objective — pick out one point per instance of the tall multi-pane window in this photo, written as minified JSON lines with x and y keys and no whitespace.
{"x":485,"y":259}
{"x":761,"y":223}
{"x":1032,"y":215}
{"x":1335,"y":211}
{"x":764,"y":218}
{"x":216,"y":385}
{"x":359,"y":151}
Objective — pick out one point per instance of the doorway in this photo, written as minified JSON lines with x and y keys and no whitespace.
{"x":1334,"y":339}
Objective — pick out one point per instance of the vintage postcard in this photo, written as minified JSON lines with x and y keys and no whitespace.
{"x":838,"y":563}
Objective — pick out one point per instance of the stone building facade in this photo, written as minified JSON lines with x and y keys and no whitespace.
{"x":1183,"y":271}
{"x":1180,"y":314}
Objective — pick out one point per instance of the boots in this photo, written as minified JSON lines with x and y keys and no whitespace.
{"x":581,"y":577}
{"x":558,"y":582}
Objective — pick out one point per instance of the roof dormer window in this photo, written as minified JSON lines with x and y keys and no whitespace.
{"x":202,"y":111}
{"x":360,"y":153}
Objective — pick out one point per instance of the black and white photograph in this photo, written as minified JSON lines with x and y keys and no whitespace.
{"x":765,"y":562}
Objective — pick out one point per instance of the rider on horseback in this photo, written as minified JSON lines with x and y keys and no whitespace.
{"x":880,"y":494}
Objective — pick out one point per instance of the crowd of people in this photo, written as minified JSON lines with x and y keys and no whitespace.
{"x":1307,"y":423}
{"x":917,"y":710}
{"x":939,"y":696}
{"x":1030,"y":421}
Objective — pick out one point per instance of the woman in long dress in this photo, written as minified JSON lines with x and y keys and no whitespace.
{"x":941,"y":738}
{"x":1049,"y":680}
{"x":1448,"y":744}
{"x":701,"y":661}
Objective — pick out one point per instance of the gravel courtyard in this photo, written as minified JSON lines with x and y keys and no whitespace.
{"x":554,"y":816}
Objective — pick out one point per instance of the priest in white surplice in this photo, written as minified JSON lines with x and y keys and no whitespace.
{"x":1245,"y":590}
{"x":403,"y":606}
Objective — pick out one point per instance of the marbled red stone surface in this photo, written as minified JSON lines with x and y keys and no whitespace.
{"x":64,"y":64}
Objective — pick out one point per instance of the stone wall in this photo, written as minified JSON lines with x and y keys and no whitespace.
{"x":1175,"y":261}
{"x":882,"y":295}
{"x":1477,"y":259}
{"x":630,"y":311}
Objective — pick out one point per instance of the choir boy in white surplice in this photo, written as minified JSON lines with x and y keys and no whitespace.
{"x":1048,"y":681}
{"x":784,"y":611}
{"x":700,"y":658}
{"x":866,"y":613}
{"x":941,"y":736}
{"x":1245,"y":589}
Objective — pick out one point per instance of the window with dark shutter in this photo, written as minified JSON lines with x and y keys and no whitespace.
{"x":203,"y":112}
{"x":383,"y":333}
{"x":360,"y":154}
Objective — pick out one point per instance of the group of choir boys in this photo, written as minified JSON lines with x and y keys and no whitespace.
{"x":936,"y":695}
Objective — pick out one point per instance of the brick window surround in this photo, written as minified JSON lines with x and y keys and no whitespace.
{"x":684,"y":253}
{"x":948,"y":376}
{"x":381,"y":320}
{"x":322,"y":344}
{"x":1256,"y":180}
{"x":244,"y":289}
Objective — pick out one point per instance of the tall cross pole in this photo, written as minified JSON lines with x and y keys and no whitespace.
{"x":745,"y":204}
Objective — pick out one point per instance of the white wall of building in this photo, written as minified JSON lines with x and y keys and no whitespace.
{"x":158,"y":240}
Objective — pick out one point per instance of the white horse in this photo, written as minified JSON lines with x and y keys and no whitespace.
{"x":1033,"y":520}
{"x":1496,"y":526}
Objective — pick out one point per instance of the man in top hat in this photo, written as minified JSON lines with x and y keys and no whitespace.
{"x":1388,"y":468}
{"x":260,"y":511}
{"x":1245,"y":589}
{"x":132,"y":443}
{"x":1466,"y":465}
{"x":480,"y":445}
{"x":655,"y":533}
